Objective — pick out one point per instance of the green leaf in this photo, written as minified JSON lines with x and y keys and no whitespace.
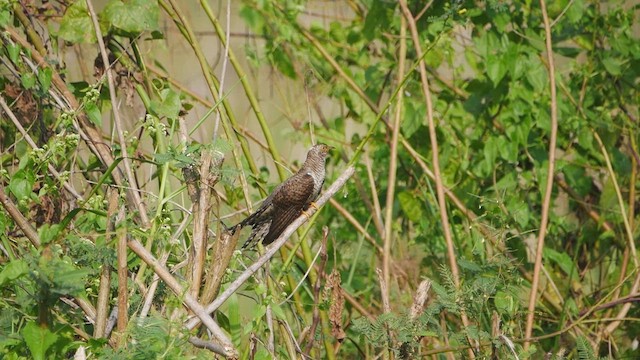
{"x":283,"y":62}
{"x":184,"y":160}
{"x":505,"y":303}
{"x":235,"y":320}
{"x":608,"y":198}
{"x":491,"y":147}
{"x":414,"y":115}
{"x":612,"y":66}
{"x":5,"y":14}
{"x":48,"y":232}
{"x":578,"y":179}
{"x":76,"y":25}
{"x":13,"y":270}
{"x":169,"y":105}
{"x":495,"y":69}
{"x":63,"y":277}
{"x":13,"y":50}
{"x":410,"y":206}
{"x":135,"y":16}
{"x":253,"y":18}
{"x":44,"y":78}
{"x":278,"y":312}
{"x":38,"y":339}
{"x":28,"y":80}
{"x":162,"y":159}
{"x":377,"y":17}
{"x":536,"y":74}
{"x":563,"y":260}
{"x":93,"y":112}
{"x":21,"y":184}
{"x":508,"y":150}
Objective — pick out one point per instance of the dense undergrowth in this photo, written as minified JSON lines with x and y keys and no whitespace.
{"x":106,"y":183}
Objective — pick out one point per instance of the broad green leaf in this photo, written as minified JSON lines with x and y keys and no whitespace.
{"x":13,"y":50}
{"x":495,"y":69}
{"x":508,"y":150}
{"x":162,"y":159}
{"x":44,"y":78}
{"x":13,"y":270}
{"x":501,"y":20}
{"x":608,"y":198}
{"x":505,"y":303}
{"x":612,"y":65}
{"x":76,"y":25}
{"x":410,"y":206}
{"x":28,"y":80}
{"x":278,"y":311}
{"x":252,"y":18}
{"x":377,"y":17}
{"x":259,"y":311}
{"x":577,"y":178}
{"x":562,"y":259}
{"x":233,"y":314}
{"x":414,"y":115}
{"x":49,"y":232}
{"x":536,"y":74}
{"x":283,"y":62}
{"x":491,"y":147}
{"x":21,"y":184}
{"x":169,"y":105}
{"x":5,"y":14}
{"x":134,"y":16}
{"x":61,"y":276}
{"x":39,"y":339}
{"x":93,"y":112}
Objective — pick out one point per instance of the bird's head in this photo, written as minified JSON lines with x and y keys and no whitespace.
{"x":319,"y":151}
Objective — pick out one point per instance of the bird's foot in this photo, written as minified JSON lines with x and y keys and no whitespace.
{"x":313,"y":205}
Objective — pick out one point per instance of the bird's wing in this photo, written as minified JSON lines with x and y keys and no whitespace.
{"x":263,"y":212}
{"x":279,"y":223}
{"x":288,"y":204}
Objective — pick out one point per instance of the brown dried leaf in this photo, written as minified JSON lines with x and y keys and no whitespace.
{"x":337,"y":305}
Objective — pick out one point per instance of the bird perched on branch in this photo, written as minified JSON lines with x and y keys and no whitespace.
{"x":288,"y":200}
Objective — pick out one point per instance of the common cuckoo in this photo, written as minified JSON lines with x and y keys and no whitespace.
{"x":288,"y":200}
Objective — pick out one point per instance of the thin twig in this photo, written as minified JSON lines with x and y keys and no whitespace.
{"x":123,"y":272}
{"x":223,"y":72}
{"x":376,"y":214}
{"x":386,"y":309}
{"x":393,"y":163}
{"x":616,"y":187}
{"x":208,"y":345}
{"x":104,"y":290}
{"x":533,"y":296}
{"x":272,"y":339}
{"x":315,"y":317}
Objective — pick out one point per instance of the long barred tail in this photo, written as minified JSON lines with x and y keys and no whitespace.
{"x":248,"y":221}
{"x":258,"y":232}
